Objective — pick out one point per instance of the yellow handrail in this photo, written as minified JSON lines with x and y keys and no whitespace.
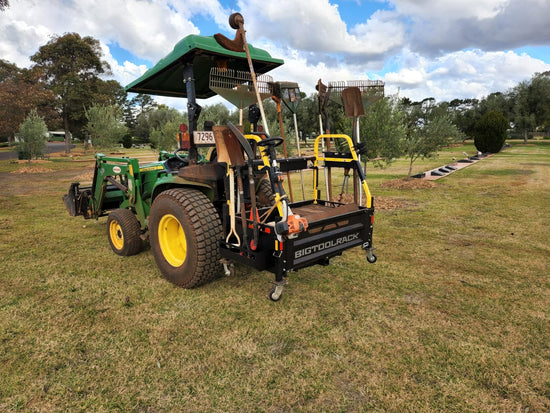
{"x":354,"y":158}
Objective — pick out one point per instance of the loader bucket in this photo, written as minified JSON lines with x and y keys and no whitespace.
{"x":69,"y":199}
{"x":76,"y":200}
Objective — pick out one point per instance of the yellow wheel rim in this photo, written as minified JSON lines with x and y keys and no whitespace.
{"x":116,"y":235}
{"x":172,"y":240}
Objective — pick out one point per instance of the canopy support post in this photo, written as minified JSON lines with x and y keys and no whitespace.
{"x":193,"y":109}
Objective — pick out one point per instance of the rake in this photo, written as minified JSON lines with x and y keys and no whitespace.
{"x":237,"y":87}
{"x":289,"y":94}
{"x":356,"y":96}
{"x":371,"y":90}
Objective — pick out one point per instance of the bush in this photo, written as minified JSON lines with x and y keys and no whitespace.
{"x":127,"y":141}
{"x":490,"y":132}
{"x":32,"y":133}
{"x":23,"y":154}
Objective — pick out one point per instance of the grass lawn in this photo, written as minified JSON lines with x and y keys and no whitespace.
{"x":454,"y":316}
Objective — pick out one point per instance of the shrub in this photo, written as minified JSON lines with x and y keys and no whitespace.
{"x":32,"y":134}
{"x":127,"y":141}
{"x":490,"y":132}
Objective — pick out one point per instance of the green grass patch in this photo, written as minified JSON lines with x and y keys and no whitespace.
{"x":454,"y":316}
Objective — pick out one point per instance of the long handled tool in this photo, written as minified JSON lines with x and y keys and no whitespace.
{"x":236,"y":21}
{"x":232,"y":232}
{"x":356,"y":96}
{"x":323,"y":95}
{"x":371,"y":90}
{"x":290,"y":93}
{"x":242,"y":206}
{"x":276,"y":96}
{"x":353,"y":106}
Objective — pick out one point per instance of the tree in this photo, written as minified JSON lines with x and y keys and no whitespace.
{"x":153,"y":119}
{"x":539,"y":99}
{"x":32,"y":134}
{"x":218,"y":113}
{"x":134,"y":107}
{"x":429,"y":128}
{"x":383,"y":130}
{"x":165,"y":125}
{"x":491,"y":132}
{"x":464,"y":114}
{"x":20,"y":92}
{"x":143,"y":103}
{"x":71,"y":66}
{"x":109,"y":92}
{"x":164,"y":138}
{"x":499,"y":102}
{"x":4,"y":4}
{"x":105,"y":125}
{"x":522,"y":117}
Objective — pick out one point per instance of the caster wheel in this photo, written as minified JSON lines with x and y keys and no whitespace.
{"x":372,"y":259}
{"x":276,"y":293}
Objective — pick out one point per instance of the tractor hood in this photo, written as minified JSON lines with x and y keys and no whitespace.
{"x":202,"y":53}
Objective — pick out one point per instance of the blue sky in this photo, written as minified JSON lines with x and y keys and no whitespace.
{"x":444,"y":49}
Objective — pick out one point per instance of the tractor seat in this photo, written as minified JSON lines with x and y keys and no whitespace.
{"x":209,"y":173}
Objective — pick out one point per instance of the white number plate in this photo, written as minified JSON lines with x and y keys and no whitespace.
{"x":204,"y":137}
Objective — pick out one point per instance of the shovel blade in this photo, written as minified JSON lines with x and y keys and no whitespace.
{"x":353,"y":105}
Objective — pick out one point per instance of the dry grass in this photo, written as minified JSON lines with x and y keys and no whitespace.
{"x":32,"y":170}
{"x":454,"y":316}
{"x":412,"y":183}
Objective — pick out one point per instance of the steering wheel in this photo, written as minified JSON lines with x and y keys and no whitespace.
{"x":274,"y":141}
{"x":179,"y":157}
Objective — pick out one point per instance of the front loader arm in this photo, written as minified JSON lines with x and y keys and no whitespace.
{"x":116,"y":184}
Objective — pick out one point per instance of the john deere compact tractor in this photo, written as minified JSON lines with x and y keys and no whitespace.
{"x":201,"y":214}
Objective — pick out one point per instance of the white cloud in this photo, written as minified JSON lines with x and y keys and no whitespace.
{"x":444,"y":49}
{"x":149,"y":29}
{"x":463,"y":74}
{"x":124,"y":73}
{"x":439,"y":27}
{"x":18,"y":41}
{"x":317,"y":27}
{"x":451,"y":9}
{"x":381,"y":33}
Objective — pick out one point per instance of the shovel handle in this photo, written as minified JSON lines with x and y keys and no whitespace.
{"x":236,"y":21}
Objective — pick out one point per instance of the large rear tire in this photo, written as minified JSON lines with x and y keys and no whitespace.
{"x":124,"y":231}
{"x":184,"y":232}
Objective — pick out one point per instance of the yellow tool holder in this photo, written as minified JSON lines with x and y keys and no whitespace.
{"x":320,"y":156}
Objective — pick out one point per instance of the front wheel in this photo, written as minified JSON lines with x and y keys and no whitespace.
{"x":124,"y":231}
{"x":184,"y":233}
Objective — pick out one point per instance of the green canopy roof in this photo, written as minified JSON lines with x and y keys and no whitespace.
{"x":203,"y":53}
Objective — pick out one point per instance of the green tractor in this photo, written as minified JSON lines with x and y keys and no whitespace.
{"x":201,"y":214}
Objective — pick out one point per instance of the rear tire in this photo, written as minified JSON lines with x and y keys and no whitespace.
{"x":123,"y":231}
{"x":184,"y":235}
{"x":264,"y":194}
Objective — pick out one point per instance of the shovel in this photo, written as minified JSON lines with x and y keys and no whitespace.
{"x":324,"y":94}
{"x":353,"y":106}
{"x":236,"y":21}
